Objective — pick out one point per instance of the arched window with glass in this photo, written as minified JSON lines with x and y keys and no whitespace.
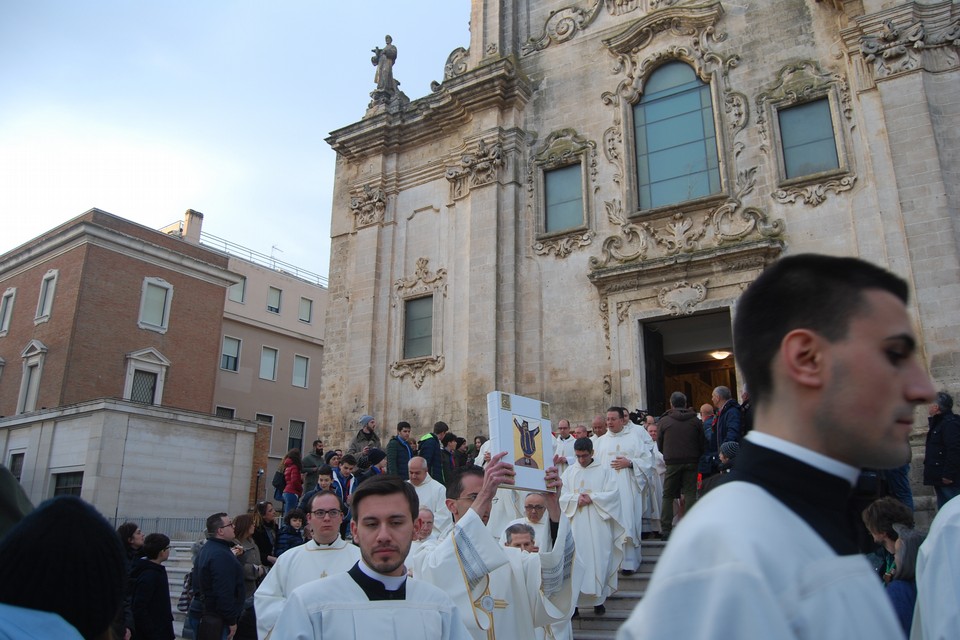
{"x":675,"y":139}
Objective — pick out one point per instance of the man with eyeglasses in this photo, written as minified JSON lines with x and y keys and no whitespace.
{"x":325,"y":554}
{"x":219,"y":581}
{"x":534,"y":508}
{"x":500,"y":592}
{"x":374,"y":594}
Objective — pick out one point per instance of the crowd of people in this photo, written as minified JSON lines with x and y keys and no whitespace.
{"x":412,"y":540}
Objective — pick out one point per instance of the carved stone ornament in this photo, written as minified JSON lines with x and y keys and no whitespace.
{"x":562,"y":25}
{"x":686,"y":233}
{"x":423,"y":282}
{"x":456,"y":64}
{"x":683,"y":297}
{"x":564,"y":246}
{"x":901,"y":49}
{"x":814,"y":194}
{"x":368,"y":206}
{"x":475,"y":170}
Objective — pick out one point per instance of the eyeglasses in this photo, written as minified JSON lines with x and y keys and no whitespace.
{"x":320,"y":514}
{"x":224,"y":526}
{"x":472,"y":497}
{"x":534,"y":508}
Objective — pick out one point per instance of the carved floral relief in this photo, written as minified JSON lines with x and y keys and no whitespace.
{"x":368,"y":206}
{"x":475,"y":169}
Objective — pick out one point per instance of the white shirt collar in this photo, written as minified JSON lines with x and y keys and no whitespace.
{"x":808,"y":456}
{"x":390,"y":583}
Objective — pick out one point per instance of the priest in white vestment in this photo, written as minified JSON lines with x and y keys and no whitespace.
{"x":589,"y":499}
{"x":432,"y":494}
{"x":374,"y":599}
{"x":535,"y":510}
{"x":628,"y":452}
{"x":827,"y":348}
{"x":937,"y":614}
{"x":325,"y":554}
{"x":563,"y":446}
{"x":500,"y":592}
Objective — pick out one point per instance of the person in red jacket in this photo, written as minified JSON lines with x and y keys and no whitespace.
{"x":293,"y":475}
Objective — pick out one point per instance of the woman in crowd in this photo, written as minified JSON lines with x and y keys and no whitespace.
{"x":253,"y":573}
{"x":265,"y":532}
{"x":132,"y":538}
{"x":152,"y":617}
{"x":903,"y":587}
{"x":293,"y":475}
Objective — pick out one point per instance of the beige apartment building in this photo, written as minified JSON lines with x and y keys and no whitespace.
{"x":574,"y":210}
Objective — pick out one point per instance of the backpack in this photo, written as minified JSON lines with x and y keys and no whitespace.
{"x":279,"y":482}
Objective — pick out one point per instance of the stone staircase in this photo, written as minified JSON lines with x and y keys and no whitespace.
{"x":177,"y":566}
{"x":619,"y":605}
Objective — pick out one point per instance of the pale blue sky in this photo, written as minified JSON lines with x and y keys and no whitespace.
{"x":146,"y":109}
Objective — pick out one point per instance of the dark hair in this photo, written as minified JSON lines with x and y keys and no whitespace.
{"x":482,"y":439}
{"x":455,"y":488}
{"x":881,"y":514}
{"x":294,"y":513}
{"x":241,"y":524}
{"x":385,"y":485}
{"x":620,"y":411}
{"x":214,"y":522}
{"x":944,"y":401}
{"x":317,"y":441}
{"x":520,"y":527}
{"x":325,"y":470}
{"x":403,"y":424}
{"x":349,"y":458}
{"x":89,"y":565}
{"x":294,"y":454}
{"x":126,"y":531}
{"x":678,"y":400}
{"x":440,"y":427}
{"x":154,"y":544}
{"x":815,"y":292}
{"x":448,"y":438}
{"x":330,"y":455}
{"x":259,"y":512}
{"x":325,"y":492}
{"x":583,"y":444}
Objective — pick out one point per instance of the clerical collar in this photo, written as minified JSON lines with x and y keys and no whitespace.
{"x":389,"y":583}
{"x":320,"y":545}
{"x":807,"y":456}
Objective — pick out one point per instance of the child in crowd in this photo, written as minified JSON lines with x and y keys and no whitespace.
{"x":324,"y":483}
{"x":291,"y":533}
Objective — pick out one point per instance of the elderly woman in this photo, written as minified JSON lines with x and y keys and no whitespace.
{"x":253,"y":572}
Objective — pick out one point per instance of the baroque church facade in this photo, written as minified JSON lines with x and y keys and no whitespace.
{"x":573,"y":212}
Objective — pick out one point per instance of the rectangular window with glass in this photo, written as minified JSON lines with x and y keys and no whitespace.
{"x":301,"y":369}
{"x":6,"y":309}
{"x":418,"y":327}
{"x":237,"y":292}
{"x":268,"y":363}
{"x":807,"y":139}
{"x":155,"y":300}
{"x":264,"y":418}
{"x":273,"y":299}
{"x":67,"y":484}
{"x":295,"y":435}
{"x":31,"y":388}
{"x":230,"y":358}
{"x":564,"y":198}
{"x":47,"y":288}
{"x":306,"y":310}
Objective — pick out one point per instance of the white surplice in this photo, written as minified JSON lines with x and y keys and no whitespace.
{"x":296,"y":567}
{"x":337,"y":609}
{"x":741,"y":564}
{"x":596,"y":529}
{"x":634,"y":484}
{"x":501,"y":592}
{"x":564,"y":448}
{"x":937,"y":613}
{"x":433,"y":495}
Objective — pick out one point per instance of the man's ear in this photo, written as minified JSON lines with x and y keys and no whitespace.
{"x":353,"y":528}
{"x":802,"y":355}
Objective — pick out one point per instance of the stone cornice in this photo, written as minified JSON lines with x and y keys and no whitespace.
{"x":686,"y":19}
{"x":497,"y":85}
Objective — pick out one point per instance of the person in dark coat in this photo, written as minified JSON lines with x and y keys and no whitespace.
{"x":431,"y":450}
{"x":265,"y":531}
{"x":219,"y":580}
{"x":150,"y":589}
{"x":941,"y":464}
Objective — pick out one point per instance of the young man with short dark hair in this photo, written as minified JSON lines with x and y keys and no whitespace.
{"x":375,"y":594}
{"x":827,"y":349}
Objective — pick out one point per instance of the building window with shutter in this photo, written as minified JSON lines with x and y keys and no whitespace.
{"x":230,"y":357}
{"x":155,"y":300}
